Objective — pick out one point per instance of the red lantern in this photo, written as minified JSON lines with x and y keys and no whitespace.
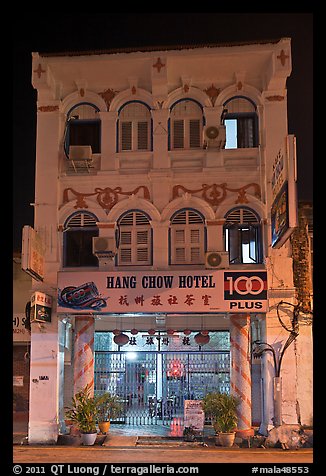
{"x":170,"y":332}
{"x":187,"y":332}
{"x":116,"y":332}
{"x":200,"y":339}
{"x":151,"y":332}
{"x":134,"y":332}
{"x":121,"y":339}
{"x":205,"y":333}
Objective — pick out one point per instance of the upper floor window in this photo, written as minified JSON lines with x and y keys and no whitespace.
{"x":79,"y":230}
{"x":241,"y":123}
{"x":186,"y":123}
{"x":135,"y":241}
{"x":242,"y":234}
{"x":187,"y":237}
{"x":134,"y":127}
{"x":83,"y":127}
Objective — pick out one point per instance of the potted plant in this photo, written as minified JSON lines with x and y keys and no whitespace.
{"x":189,"y":433}
{"x":109,"y":407}
{"x":222,"y":408}
{"x":83,"y":414}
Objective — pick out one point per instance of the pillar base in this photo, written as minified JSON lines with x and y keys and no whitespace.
{"x":245,"y":433}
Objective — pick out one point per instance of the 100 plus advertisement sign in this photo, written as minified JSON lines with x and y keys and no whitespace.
{"x":184,"y":291}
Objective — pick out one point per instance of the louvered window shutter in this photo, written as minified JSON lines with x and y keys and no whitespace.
{"x":142,"y":135}
{"x":126,"y":136}
{"x":187,"y":239}
{"x":135,"y":239}
{"x":194,"y":133}
{"x":178,"y":134}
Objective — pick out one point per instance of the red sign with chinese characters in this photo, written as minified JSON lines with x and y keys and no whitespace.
{"x":201,"y":291}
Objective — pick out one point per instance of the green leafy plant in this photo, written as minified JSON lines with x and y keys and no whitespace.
{"x":189,"y":433}
{"x":222,"y":409}
{"x":83,"y":411}
{"x":109,"y":406}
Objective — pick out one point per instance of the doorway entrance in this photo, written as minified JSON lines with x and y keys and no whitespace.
{"x":153,"y":385}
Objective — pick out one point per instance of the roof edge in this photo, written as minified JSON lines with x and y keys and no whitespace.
{"x":134,"y":49}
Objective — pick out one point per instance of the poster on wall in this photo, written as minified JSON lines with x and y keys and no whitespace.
{"x":204,"y":291}
{"x":194,"y":414}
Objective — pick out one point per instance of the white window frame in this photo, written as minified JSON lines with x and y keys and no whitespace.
{"x":187,"y":238}
{"x":136,"y":115}
{"x":188,"y":136}
{"x":135,"y":241}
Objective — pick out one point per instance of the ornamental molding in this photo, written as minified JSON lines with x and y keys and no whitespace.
{"x":275,"y":97}
{"x":48,"y":108}
{"x":215,"y":194}
{"x":106,"y":197}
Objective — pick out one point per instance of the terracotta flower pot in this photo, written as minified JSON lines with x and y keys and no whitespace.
{"x":104,"y":426}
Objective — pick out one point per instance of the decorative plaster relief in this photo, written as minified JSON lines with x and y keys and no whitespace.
{"x":212,"y":92}
{"x":106,"y":197}
{"x":215,"y":194}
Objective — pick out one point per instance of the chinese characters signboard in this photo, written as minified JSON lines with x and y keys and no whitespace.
{"x":284,"y":206}
{"x":204,"y":291}
{"x":32,"y":253}
{"x":41,"y":306}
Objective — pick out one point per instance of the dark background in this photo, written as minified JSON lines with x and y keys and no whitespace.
{"x":47,"y":33}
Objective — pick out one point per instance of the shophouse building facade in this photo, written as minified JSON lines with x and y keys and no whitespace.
{"x":164,"y":197}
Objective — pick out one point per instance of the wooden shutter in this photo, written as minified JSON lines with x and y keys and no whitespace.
{"x":178,"y":134}
{"x":126,"y":135}
{"x":142,"y":135}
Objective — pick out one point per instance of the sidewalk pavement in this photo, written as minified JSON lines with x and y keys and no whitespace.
{"x":123,"y":445}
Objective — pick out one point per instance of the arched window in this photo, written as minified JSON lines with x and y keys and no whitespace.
{"x":83,"y":127}
{"x":242,"y":234}
{"x":79,"y":230}
{"x":134,"y":127}
{"x":186,"y":123}
{"x":135,"y":240}
{"x":187,"y":237}
{"x":241,"y":123}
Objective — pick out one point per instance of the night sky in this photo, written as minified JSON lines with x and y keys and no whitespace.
{"x":45,"y":33}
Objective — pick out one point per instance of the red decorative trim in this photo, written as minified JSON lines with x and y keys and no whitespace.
{"x":48,"y":108}
{"x":158,"y":65}
{"x":212,"y":92}
{"x":106,"y":197}
{"x":275,"y":98}
{"x":39,"y":70}
{"x":282,"y":57}
{"x":215,"y":194}
{"x":108,"y":95}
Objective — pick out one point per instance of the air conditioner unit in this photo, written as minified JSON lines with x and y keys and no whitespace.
{"x":80,"y":152}
{"x":214,"y":137}
{"x":104,"y":247}
{"x":217,"y":260}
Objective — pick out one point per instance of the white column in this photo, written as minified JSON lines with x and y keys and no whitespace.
{"x":43,"y":400}
{"x":240,"y":370}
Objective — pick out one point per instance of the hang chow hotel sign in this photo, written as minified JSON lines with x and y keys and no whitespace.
{"x":162,"y":292}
